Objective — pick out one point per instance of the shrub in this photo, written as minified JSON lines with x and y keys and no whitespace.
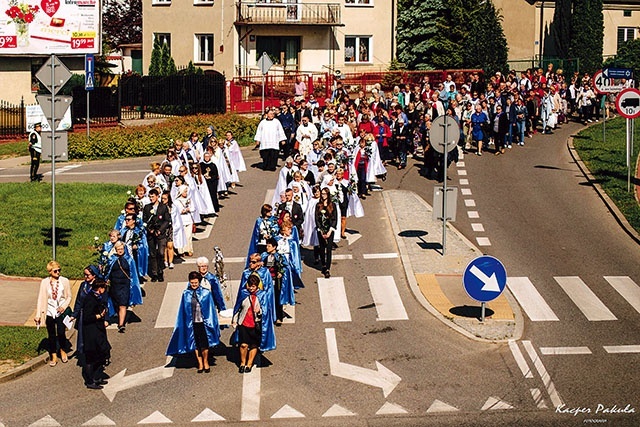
{"x":154,"y":139}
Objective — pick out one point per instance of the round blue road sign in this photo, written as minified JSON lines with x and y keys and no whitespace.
{"x":484,"y":278}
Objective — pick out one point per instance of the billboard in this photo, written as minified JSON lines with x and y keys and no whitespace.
{"x":46,"y":27}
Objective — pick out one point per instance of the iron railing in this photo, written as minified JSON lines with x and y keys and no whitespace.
{"x":258,"y":12}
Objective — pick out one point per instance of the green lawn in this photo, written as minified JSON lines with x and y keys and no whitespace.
{"x":82,"y":212}
{"x":13,"y":149}
{"x":20,"y":343}
{"x":607,"y":163}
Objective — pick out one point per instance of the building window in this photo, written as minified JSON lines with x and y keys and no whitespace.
{"x":625,"y":34}
{"x":358,"y":2}
{"x":202,"y":2}
{"x":161,"y":2}
{"x":204,"y":48}
{"x":282,"y":51}
{"x":357,"y":49}
{"x":626,"y":13}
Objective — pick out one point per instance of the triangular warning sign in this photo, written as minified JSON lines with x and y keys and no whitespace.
{"x":89,"y":84}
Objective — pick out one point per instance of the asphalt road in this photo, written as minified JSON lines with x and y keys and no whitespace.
{"x":540,"y":219}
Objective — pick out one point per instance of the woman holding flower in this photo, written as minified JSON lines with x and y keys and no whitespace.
{"x":326,"y":222}
{"x":266,"y":226}
{"x":184,"y":205}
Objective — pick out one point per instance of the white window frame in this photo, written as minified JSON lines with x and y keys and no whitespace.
{"x":630,"y":33}
{"x":166,"y":37}
{"x":356,"y":54}
{"x":198,"y":39}
{"x":203,"y":2}
{"x":358,"y":3}
{"x":160,"y":2}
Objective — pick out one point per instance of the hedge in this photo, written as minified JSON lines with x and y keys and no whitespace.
{"x":154,"y":139}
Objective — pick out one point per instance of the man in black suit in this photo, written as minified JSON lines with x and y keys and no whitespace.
{"x":157,"y":217}
{"x":401,"y":141}
{"x":294,"y":208}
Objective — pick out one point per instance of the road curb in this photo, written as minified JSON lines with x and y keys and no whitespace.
{"x":619,"y":217}
{"x":422,"y":300}
{"x":25,"y":368}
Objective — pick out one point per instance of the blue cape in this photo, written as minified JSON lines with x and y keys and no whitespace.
{"x":295,"y":258}
{"x":182,"y":340}
{"x":216,"y":291}
{"x":142,"y":258}
{"x":267,"y":304}
{"x":255,"y":236}
{"x":135,"y":294}
{"x":287,"y":295}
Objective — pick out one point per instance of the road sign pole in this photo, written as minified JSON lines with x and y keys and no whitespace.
{"x":53,"y":155}
{"x":262,"y":111}
{"x":482,"y":309}
{"x":604,"y":118}
{"x":444,"y":192}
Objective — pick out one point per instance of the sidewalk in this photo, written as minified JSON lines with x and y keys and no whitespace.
{"x":436,"y":280}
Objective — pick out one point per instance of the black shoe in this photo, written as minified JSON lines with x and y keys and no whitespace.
{"x":154,"y":279}
{"x":121,"y":329}
{"x":247,"y":369}
{"x":327,"y":274}
{"x":101,"y":382}
{"x":207,"y":370}
{"x":200,"y":371}
{"x":241,"y":369}
{"x":161,"y":278}
{"x":94,"y":386}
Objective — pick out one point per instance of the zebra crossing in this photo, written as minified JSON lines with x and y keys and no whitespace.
{"x":585,"y":299}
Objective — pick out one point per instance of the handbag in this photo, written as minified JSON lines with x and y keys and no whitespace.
{"x":257,"y":320}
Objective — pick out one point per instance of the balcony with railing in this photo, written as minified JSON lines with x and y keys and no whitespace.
{"x":258,"y":12}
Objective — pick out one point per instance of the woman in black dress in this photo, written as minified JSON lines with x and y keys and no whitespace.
{"x":120,"y":279}
{"x":326,"y":222}
{"x":97,"y":349}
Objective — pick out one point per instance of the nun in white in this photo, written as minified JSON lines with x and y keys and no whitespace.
{"x":235,"y":154}
{"x":309,"y":225}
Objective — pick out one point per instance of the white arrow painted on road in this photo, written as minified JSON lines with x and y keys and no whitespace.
{"x":380,"y":377}
{"x":490,"y":283}
{"x":119,"y":382}
{"x":352,"y":237}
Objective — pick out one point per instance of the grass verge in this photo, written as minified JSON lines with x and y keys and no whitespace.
{"x":82,"y":212}
{"x":21,"y":343}
{"x":13,"y":149}
{"x":607,"y":163}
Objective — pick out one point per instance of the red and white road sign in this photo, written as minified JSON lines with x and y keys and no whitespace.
{"x":604,"y":85}
{"x":628,"y":103}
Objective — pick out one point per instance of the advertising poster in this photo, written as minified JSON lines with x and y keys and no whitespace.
{"x":45,"y":27}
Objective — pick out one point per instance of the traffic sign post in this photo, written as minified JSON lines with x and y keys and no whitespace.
{"x":89,"y":70}
{"x":265,"y":63}
{"x":604,"y":84}
{"x":444,"y":136}
{"x":484,"y":280}
{"x":628,"y":105}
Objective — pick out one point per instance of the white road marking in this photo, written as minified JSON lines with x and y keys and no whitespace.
{"x":483,"y":241}
{"x":520,"y":360}
{"x":493,"y":403}
{"x":204,"y":234}
{"x":470,"y":203}
{"x":530,"y":299}
{"x":622,"y":348}
{"x":156,"y":418}
{"x":462,"y":172}
{"x":287,"y":412}
{"x":207,"y":415}
{"x":170,"y":303}
{"x":338,"y":411}
{"x":460,"y":164}
{"x":100,"y":420}
{"x":473,"y":214}
{"x":544,"y":375}
{"x":537,"y":398}
{"x":120,"y":382}
{"x":390,"y":409}
{"x":238,"y":259}
{"x":333,"y":300}
{"x":380,"y":255}
{"x":341,"y":257}
{"x":627,"y":289}
{"x":440,"y":406}
{"x":554,"y":351}
{"x":268,"y":198}
{"x":353,"y":237}
{"x":465,"y":191}
{"x":585,"y":299}
{"x":250,"y":408}
{"x":46,"y":421}
{"x":386,"y":298}
{"x":463,"y":181}
{"x":477,"y":227}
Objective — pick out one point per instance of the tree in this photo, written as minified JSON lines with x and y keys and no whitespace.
{"x":168,"y":65}
{"x":628,"y":56}
{"x":588,"y":34}
{"x":561,"y":28}
{"x":417,"y":31}
{"x":486,"y":45}
{"x":122,"y":22}
{"x":155,"y":66}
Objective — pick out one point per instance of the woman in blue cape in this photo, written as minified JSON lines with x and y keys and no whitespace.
{"x":282,"y":276}
{"x":266,"y":226}
{"x":289,"y":246}
{"x":125,"y":288}
{"x":142,"y":250}
{"x":253,"y":318}
{"x":196,"y":327}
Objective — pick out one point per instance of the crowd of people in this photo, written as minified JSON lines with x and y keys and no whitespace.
{"x":333,"y":156}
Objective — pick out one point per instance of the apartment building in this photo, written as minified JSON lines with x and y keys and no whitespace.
{"x":298,"y":35}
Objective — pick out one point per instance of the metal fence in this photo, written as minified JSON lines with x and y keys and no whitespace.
{"x":13,"y":120}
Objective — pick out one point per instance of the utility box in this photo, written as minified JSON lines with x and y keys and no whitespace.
{"x":439,"y":200}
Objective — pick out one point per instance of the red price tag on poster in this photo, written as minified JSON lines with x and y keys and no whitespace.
{"x":8,"y":41}
{"x":81,"y":43}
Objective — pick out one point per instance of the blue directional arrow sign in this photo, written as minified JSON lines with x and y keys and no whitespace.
{"x":484,"y":278}
{"x":618,"y":73}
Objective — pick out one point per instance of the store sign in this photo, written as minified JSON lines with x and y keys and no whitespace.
{"x":49,"y":27}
